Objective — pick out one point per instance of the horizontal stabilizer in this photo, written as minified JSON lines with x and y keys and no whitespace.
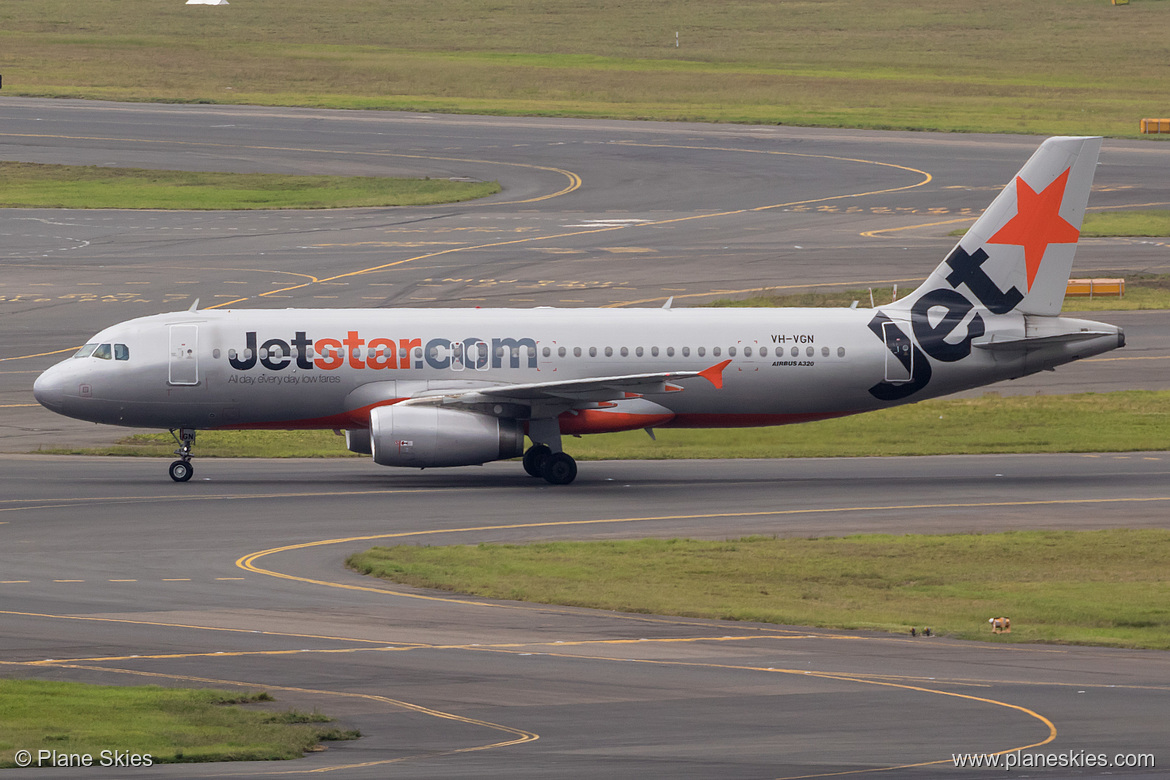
{"x":1042,"y":341}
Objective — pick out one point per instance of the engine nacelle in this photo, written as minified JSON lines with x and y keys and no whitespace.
{"x":427,"y":436}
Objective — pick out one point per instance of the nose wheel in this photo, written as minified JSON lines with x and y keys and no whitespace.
{"x":182,"y":470}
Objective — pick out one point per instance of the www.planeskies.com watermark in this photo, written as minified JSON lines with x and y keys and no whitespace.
{"x":1068,"y":759}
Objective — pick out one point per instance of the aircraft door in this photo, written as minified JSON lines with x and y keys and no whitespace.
{"x":184,"y":355}
{"x":899,"y":353}
{"x":456,"y":355}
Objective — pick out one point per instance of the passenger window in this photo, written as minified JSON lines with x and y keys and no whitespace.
{"x":747,"y":351}
{"x":686,"y":351}
{"x":103,"y":352}
{"x":840,"y":351}
{"x":809,"y":351}
{"x":638,"y":352}
{"x":715,"y":352}
{"x":824,"y":351}
{"x":609,"y":351}
{"x":561,"y":352}
{"x":576,"y":352}
{"x":85,"y":351}
{"x":670,"y":351}
{"x":763,"y":352}
{"x":796,"y":352}
{"x":654,"y":351}
{"x":702,"y":351}
{"x":547,"y":352}
{"x":625,"y":352}
{"x":593,"y":352}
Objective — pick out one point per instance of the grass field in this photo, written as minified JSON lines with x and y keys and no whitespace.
{"x":1127,"y":223}
{"x":1108,"y":224}
{"x":1089,"y":587}
{"x":31,"y":185}
{"x":171,"y":725}
{"x":1126,"y":421}
{"x":1142,"y":291}
{"x":1062,"y":66}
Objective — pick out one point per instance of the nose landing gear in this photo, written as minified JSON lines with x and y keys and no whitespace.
{"x":182,"y":470}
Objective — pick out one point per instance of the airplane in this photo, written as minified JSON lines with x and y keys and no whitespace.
{"x":454,"y":387}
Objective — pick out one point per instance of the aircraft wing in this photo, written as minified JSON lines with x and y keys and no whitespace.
{"x":569,"y":392}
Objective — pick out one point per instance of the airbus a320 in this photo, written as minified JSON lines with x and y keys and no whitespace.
{"x":456,"y":387}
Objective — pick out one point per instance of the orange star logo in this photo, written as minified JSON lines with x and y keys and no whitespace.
{"x":1037,"y":223}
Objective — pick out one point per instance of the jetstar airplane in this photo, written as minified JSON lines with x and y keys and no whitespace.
{"x":456,"y":387}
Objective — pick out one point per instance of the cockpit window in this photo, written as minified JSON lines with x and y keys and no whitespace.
{"x":121,"y":352}
{"x":85,"y":351}
{"x":103,"y":352}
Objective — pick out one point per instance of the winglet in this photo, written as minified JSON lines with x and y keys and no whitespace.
{"x":194,"y":306}
{"x":669,"y":301}
{"x":714,"y":374}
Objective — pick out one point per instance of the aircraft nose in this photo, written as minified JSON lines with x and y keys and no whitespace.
{"x":49,"y":390}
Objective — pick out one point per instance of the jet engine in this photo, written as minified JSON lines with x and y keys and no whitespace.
{"x":428,"y":436}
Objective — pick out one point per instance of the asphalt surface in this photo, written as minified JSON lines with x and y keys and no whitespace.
{"x":109,"y":572}
{"x":125,"y":577}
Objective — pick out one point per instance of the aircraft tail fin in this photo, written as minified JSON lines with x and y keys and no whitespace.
{"x":1018,"y":255}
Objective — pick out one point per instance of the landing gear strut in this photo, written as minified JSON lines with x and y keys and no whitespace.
{"x":182,"y":470}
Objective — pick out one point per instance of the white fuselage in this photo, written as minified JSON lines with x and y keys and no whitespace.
{"x":324,"y":368}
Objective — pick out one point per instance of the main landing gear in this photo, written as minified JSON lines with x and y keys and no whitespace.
{"x":557,"y":468}
{"x":545,"y":457}
{"x":182,"y":470}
